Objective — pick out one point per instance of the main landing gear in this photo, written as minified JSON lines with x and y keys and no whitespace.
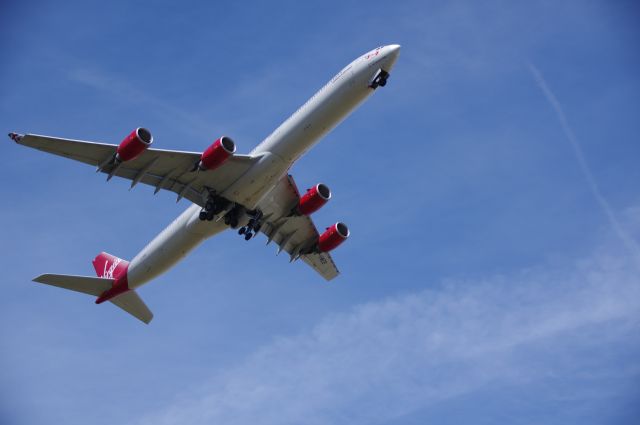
{"x":214,"y":206}
{"x":253,"y":227}
{"x":233,"y":214}
{"x":232,"y":217}
{"x":379,"y":79}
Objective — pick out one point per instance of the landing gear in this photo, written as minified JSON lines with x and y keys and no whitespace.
{"x":213,"y":206}
{"x":253,"y":226}
{"x":379,"y":79}
{"x":244,"y":230}
{"x":247,"y":232}
{"x":231,"y":220}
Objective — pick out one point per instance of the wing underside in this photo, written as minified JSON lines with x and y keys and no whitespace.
{"x":294,"y":234}
{"x":161,"y":169}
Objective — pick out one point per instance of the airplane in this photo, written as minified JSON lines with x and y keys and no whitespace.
{"x":251,"y":193}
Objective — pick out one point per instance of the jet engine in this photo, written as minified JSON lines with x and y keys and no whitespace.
{"x":217,"y":153}
{"x":134,"y":144}
{"x":314,"y":199}
{"x":333,"y":236}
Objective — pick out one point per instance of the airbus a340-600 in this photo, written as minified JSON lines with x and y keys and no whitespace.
{"x":252,"y":193}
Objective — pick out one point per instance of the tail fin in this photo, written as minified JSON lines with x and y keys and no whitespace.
{"x":109,"y":266}
{"x":112,"y":275}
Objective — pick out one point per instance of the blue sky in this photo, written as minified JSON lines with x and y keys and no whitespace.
{"x":490,"y":187}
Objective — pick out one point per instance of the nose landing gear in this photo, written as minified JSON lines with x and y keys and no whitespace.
{"x":379,"y":79}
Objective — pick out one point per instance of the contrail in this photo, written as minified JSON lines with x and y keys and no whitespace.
{"x":628,"y":241}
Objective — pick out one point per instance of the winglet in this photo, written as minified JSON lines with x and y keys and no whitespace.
{"x":16,"y":137}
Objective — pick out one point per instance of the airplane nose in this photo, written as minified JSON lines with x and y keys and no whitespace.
{"x":391,"y":53}
{"x":394,"y":49}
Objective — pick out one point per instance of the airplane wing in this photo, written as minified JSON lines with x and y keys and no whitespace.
{"x":171,"y":170}
{"x":162,"y":169}
{"x":293,"y":234}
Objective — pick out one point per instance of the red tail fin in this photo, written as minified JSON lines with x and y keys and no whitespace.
{"x":109,"y":266}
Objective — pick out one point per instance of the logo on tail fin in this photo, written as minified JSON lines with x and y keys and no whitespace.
{"x":109,"y":266}
{"x":108,"y":272}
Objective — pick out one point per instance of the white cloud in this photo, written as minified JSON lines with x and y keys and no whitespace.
{"x":122,"y":89}
{"x":386,"y":359}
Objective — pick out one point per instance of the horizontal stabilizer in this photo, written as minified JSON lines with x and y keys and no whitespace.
{"x":131,"y":302}
{"x":85,"y":284}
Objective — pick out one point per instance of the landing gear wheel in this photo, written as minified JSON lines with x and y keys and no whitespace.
{"x":379,"y":79}
{"x":242,"y":231}
{"x":203,"y":215}
{"x":248,"y":236}
{"x":210,"y":215}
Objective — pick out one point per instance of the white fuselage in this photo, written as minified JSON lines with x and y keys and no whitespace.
{"x":319,"y":115}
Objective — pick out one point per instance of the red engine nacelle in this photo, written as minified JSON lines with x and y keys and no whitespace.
{"x":314,"y":199}
{"x":134,"y":144}
{"x":217,"y":153}
{"x":333,"y":236}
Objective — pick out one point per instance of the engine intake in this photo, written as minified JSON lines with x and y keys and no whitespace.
{"x":134,"y":144}
{"x":217,"y":153}
{"x":314,"y":199}
{"x":333,"y":236}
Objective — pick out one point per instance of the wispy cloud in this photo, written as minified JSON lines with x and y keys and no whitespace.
{"x":117,"y":87}
{"x":385,"y":359}
{"x":628,"y":241}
